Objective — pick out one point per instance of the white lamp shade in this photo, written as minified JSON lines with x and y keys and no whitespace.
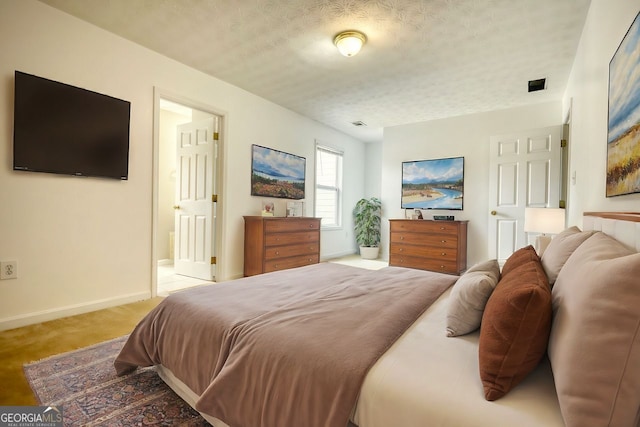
{"x":349,"y":43}
{"x":544,"y":220}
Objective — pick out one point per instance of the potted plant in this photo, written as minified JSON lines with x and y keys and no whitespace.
{"x":367,"y":226}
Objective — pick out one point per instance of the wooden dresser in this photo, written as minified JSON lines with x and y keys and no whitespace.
{"x":428,"y":245}
{"x":277,"y":243}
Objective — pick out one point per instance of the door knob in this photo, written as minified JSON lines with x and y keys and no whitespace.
{"x":176,"y":207}
{"x":493,"y":212}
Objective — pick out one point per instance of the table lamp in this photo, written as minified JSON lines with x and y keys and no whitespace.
{"x":544,"y":221}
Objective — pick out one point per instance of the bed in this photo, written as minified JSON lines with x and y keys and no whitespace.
{"x":548,"y":341}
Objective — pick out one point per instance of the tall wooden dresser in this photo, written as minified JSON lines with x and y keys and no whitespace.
{"x":428,"y":245}
{"x":277,"y":243}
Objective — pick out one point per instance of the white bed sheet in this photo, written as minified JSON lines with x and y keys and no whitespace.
{"x":429,"y":379}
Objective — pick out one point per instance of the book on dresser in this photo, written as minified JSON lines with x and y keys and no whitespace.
{"x":428,"y":245}
{"x":278,"y":243}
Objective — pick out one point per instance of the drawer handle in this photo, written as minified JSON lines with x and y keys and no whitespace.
{"x":442,"y":267}
{"x":277,"y":252}
{"x":275,"y":265}
{"x":401,"y":237}
{"x":443,"y":241}
{"x":310,"y":225}
{"x":401,"y":249}
{"x":441,"y":228}
{"x":444,"y":253}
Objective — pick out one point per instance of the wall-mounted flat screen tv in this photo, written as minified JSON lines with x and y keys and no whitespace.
{"x":278,"y":174}
{"x":433,"y":184}
{"x":63,"y":129}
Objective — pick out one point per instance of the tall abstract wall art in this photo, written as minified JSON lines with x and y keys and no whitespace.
{"x":623,"y":137}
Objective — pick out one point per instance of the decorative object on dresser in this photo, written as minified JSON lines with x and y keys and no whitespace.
{"x":268,"y":208}
{"x":366,"y":215}
{"x":277,"y":243}
{"x":429,"y":245}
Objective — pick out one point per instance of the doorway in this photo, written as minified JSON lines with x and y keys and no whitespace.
{"x":525,"y":171}
{"x":176,"y":225}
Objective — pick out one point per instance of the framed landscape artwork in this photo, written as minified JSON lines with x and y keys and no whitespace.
{"x":623,"y":136}
{"x":275,"y":173}
{"x":433,"y":184}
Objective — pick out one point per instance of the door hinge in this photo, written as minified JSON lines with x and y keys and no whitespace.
{"x":214,"y":198}
{"x":216,"y":136}
{"x":562,"y":204}
{"x":563,"y":143}
{"x":213,"y":260}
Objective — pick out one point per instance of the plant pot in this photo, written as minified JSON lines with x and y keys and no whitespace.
{"x":369,"y":252}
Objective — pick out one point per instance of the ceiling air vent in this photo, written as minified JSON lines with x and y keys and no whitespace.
{"x":359,"y":123}
{"x":536,"y":85}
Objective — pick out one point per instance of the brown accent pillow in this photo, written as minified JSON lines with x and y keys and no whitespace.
{"x":594,"y":346}
{"x":560,"y":249}
{"x":519,"y":257}
{"x":469,"y":296}
{"x":515,"y":328}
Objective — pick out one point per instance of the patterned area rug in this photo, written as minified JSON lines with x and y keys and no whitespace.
{"x":85,"y":384}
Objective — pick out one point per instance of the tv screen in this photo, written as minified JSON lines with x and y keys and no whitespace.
{"x":433,"y":184}
{"x":276,"y":173}
{"x":64,"y":129}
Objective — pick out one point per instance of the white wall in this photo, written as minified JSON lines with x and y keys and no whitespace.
{"x":466,"y":136}
{"x":84,"y":243}
{"x":587,"y":96}
{"x":373,"y":169}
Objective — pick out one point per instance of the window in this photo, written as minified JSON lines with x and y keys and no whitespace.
{"x":328,"y":186}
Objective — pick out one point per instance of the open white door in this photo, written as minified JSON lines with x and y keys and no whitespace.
{"x":524,"y":172}
{"x":195,"y":202}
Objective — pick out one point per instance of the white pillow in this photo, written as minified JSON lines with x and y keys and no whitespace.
{"x":469,"y":296}
{"x":560,"y":249}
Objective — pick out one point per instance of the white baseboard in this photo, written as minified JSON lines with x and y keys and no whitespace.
{"x":71,"y":310}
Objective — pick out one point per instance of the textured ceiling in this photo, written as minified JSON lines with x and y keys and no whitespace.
{"x":423,"y":60}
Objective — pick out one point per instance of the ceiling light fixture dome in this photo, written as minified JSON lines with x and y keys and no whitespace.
{"x":349,"y":43}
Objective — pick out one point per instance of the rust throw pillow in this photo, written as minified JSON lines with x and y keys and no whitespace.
{"x":519,"y":257}
{"x":515,"y":328}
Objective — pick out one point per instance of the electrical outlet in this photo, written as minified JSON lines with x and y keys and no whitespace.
{"x":8,"y":270}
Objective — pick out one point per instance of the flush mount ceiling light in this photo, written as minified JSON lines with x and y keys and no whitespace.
{"x":349,"y":43}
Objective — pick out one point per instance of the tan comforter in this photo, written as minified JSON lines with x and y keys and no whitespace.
{"x":284,"y":349}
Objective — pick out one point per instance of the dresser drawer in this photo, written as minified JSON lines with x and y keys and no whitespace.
{"x":444,"y":266}
{"x":291,"y":224}
{"x":275,"y":252}
{"x":432,"y":240}
{"x":278,"y":239}
{"x":449,"y":253}
{"x":291,"y":262}
{"x":418,"y":226}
